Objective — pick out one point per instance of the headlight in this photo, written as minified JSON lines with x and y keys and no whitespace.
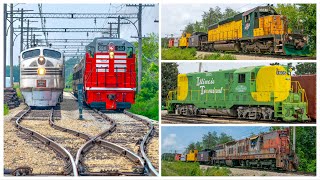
{"x":111,"y":55}
{"x":41,"y":60}
{"x":41,"y":71}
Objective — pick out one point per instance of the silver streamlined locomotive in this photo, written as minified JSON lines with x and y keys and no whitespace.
{"x":42,"y":76}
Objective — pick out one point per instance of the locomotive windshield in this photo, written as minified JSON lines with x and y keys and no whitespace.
{"x":51,"y":53}
{"x":31,"y":54}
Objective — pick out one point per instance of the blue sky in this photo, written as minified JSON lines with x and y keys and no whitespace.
{"x":177,"y":138}
{"x":149,"y":14}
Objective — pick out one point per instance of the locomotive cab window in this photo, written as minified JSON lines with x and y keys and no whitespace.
{"x":51,"y":53}
{"x":253,"y":76}
{"x":247,"y":18}
{"x":241,"y":78}
{"x":130,"y":52}
{"x":31,"y":54}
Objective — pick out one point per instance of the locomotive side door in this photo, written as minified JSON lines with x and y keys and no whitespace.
{"x":247,"y":24}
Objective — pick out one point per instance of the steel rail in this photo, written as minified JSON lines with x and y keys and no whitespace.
{"x":145,"y":141}
{"x":97,"y":140}
{"x":70,"y":167}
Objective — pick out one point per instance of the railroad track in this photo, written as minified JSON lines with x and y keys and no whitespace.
{"x":177,"y":119}
{"x":153,"y":148}
{"x":50,"y":135}
{"x":69,"y":167}
{"x":114,"y":140}
{"x":268,"y":55}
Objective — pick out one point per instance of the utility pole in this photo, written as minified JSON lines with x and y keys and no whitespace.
{"x":11,"y":45}
{"x":4,"y":44}
{"x":140,"y":48}
{"x":31,"y":45}
{"x":140,"y":40}
{"x":110,"y":31}
{"x":28,"y":34}
{"x":21,"y":38}
{"x":34,"y":40}
{"x":294,"y":139}
{"x":118,"y":26}
{"x":200,"y":66}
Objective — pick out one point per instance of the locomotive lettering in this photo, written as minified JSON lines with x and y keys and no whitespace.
{"x":201,"y":81}
{"x":210,"y":91}
{"x":281,"y":72}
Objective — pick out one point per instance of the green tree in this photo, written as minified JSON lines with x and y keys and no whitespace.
{"x":306,"y":148}
{"x":189,"y":28}
{"x":169,"y":74}
{"x":191,"y":146}
{"x":223,"y":138}
{"x":16,"y":72}
{"x":301,"y":19}
{"x":146,"y":102}
{"x":305,"y":68}
{"x":198,"y":146}
{"x":210,"y":140}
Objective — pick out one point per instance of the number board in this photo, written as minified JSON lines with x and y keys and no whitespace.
{"x":41,"y":83}
{"x":120,"y":48}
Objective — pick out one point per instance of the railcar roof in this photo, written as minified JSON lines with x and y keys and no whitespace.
{"x":198,"y":73}
{"x":238,"y":17}
{"x":41,"y":48}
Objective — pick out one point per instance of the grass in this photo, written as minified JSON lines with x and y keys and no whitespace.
{"x":178,"y":168}
{"x":179,"y":54}
{"x":149,"y":108}
{"x":17,"y":88}
{"x":218,"y":56}
{"x":67,"y":89}
{"x":191,"y":54}
{"x":5,"y":109}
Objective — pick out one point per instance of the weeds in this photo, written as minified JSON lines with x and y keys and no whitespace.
{"x":178,"y":168}
{"x":191,"y":54}
{"x":5,"y":109}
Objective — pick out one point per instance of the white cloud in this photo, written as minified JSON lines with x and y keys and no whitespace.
{"x":170,"y":140}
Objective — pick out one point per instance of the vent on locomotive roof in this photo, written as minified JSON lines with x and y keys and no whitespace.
{"x":49,"y":64}
{"x":34,"y":64}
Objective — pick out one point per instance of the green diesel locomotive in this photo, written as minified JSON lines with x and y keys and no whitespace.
{"x":255,"y":93}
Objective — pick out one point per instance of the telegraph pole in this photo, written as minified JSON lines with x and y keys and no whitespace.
{"x":118,"y":26}
{"x":294,"y":139}
{"x":28,"y":34}
{"x":110,"y":31}
{"x":200,"y":66}
{"x":4,"y":44}
{"x":140,"y":40}
{"x":140,"y":48}
{"x":11,"y":45}
{"x":21,"y":38}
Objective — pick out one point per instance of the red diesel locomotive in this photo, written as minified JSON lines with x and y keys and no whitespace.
{"x":108,"y":74}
